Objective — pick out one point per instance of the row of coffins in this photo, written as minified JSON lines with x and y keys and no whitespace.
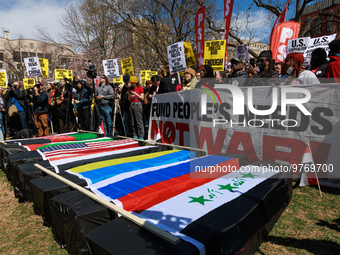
{"x":227,"y":213}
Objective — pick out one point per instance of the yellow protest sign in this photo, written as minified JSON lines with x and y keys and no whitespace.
{"x":127,"y":67}
{"x":29,"y":83}
{"x":63,"y":73}
{"x":214,"y":53}
{"x":189,"y":54}
{"x":142,"y":77}
{"x":149,"y":74}
{"x":3,"y":79}
{"x":44,"y":67}
{"x":118,"y":80}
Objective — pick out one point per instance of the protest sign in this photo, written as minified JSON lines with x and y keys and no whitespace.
{"x":214,"y":54}
{"x":44,"y":67}
{"x":189,"y":54}
{"x":29,"y":83}
{"x":127,"y":66}
{"x":60,"y":74}
{"x":176,"y":57}
{"x":242,"y":51}
{"x":3,"y":79}
{"x":142,"y":76}
{"x":149,"y":74}
{"x":307,"y":45}
{"x":111,"y":68}
{"x":118,"y":80}
{"x":32,"y":67}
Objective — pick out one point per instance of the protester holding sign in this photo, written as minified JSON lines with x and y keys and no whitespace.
{"x":136,"y":96}
{"x":41,"y":110}
{"x":15,"y":96}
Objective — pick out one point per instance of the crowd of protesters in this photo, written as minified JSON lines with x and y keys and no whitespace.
{"x":65,"y":107}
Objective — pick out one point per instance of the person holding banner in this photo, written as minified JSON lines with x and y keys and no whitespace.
{"x":190,"y":80}
{"x":15,"y":95}
{"x":41,"y":110}
{"x":105,"y":94}
{"x":136,"y":96}
{"x":267,"y":74}
{"x":238,"y":77}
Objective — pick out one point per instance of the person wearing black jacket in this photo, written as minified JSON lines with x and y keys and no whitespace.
{"x":82,"y":106}
{"x":16,"y":96}
{"x":41,"y":110}
{"x":125,"y":104}
{"x":318,"y":62}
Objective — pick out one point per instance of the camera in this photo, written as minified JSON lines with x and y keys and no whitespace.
{"x":91,"y":72}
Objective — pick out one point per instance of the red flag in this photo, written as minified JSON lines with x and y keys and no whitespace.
{"x":199,"y":27}
{"x":308,"y":178}
{"x":281,"y":34}
{"x":281,"y":18}
{"x":228,"y":10}
{"x":101,"y":128}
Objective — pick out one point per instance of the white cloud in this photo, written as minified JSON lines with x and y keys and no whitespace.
{"x":23,"y":16}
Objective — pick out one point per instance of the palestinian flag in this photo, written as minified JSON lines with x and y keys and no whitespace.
{"x":213,"y":214}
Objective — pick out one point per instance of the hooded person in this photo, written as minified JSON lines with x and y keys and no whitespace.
{"x":332,"y":71}
{"x":295,"y":75}
{"x":125,"y":104}
{"x":82,"y":106}
{"x":266,"y":75}
{"x":190,"y":79}
{"x":318,"y":62}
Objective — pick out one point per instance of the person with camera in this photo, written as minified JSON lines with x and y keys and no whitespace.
{"x":16,"y":107}
{"x":40,"y":101}
{"x":82,"y":106}
{"x":136,"y":96}
{"x":105,"y":95}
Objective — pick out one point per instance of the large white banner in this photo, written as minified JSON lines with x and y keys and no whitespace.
{"x":205,"y":118}
{"x":111,"y":69}
{"x":176,"y":57}
{"x":32,"y":67}
{"x":307,"y":45}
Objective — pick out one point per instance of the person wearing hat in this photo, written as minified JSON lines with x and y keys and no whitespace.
{"x":332,"y":71}
{"x":136,"y":96}
{"x":190,"y":80}
{"x":238,"y":75}
{"x":267,"y":75}
{"x":105,"y":96}
{"x":125,"y":104}
{"x":40,"y":102}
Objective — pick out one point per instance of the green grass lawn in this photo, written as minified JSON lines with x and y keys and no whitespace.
{"x":309,"y":225}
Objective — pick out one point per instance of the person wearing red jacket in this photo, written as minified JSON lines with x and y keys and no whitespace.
{"x":332,"y":71}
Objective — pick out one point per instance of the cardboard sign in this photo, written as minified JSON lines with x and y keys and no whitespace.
{"x":44,"y":67}
{"x":32,"y":67}
{"x":29,"y":83}
{"x":214,"y":54}
{"x":111,"y":68}
{"x":118,"y":80}
{"x":142,"y":75}
{"x":176,"y":57}
{"x":189,"y":54}
{"x":60,"y":74}
{"x":127,"y":66}
{"x":149,"y":74}
{"x":3,"y":79}
{"x":242,"y":51}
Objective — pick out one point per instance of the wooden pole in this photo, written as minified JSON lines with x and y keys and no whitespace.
{"x":165,"y":144}
{"x":135,"y":219}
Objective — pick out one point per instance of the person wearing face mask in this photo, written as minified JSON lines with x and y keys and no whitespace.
{"x":238,"y":76}
{"x":267,"y":75}
{"x":318,"y":62}
{"x":294,"y":74}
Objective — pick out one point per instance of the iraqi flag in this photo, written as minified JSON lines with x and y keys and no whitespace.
{"x":201,"y":211}
{"x":307,"y":178}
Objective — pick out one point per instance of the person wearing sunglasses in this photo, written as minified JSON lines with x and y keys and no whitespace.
{"x":266,"y":74}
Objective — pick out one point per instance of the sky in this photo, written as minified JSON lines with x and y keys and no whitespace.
{"x":21,"y":17}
